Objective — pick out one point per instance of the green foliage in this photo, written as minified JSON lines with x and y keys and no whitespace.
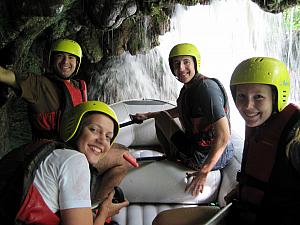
{"x":158,"y":14}
{"x":292,"y":17}
{"x":133,"y":19}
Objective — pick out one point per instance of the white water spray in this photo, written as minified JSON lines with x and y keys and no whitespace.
{"x":134,"y":77}
{"x":225,"y":32}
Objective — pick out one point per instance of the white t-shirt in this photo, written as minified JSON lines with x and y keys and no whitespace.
{"x":63,"y":180}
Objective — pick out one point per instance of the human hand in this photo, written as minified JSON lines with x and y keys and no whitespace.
{"x":139,"y":116}
{"x":196,"y":186}
{"x":109,"y":209}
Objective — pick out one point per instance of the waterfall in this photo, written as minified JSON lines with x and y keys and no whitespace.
{"x":225,"y":32}
{"x":143,"y":76}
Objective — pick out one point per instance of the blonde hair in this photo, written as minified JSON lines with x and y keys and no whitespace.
{"x":295,"y":141}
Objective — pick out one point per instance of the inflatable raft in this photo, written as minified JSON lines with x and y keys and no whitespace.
{"x":159,"y":184}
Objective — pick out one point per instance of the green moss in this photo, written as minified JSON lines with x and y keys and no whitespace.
{"x":33,"y":63}
{"x":158,"y":14}
{"x":293,"y":13}
{"x":59,"y":28}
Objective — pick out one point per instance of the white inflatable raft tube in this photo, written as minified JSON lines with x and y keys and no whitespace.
{"x":159,"y":185}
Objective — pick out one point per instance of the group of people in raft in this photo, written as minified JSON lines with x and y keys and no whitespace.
{"x":82,"y":132}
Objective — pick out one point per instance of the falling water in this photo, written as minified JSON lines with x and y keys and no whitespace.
{"x":225,"y":32}
{"x":134,"y":77}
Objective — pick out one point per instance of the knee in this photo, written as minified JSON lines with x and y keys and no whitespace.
{"x":163,"y":116}
{"x":161,"y":219}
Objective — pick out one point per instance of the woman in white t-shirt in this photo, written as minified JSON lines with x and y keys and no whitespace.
{"x":60,"y":193}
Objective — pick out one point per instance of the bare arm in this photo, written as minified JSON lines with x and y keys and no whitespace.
{"x":144,"y":116}
{"x":173,"y":112}
{"x":84,"y":216}
{"x":221,"y":139}
{"x":77,"y":216}
{"x":8,"y":77}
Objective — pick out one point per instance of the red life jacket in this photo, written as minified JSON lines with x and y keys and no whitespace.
{"x":34,"y":210}
{"x":226,"y":104}
{"x":16,"y":177}
{"x":46,"y":124}
{"x":20,"y":201}
{"x":267,"y":177}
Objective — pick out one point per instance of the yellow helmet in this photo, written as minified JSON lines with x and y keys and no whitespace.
{"x":68,"y":46}
{"x":263,"y":70}
{"x":71,"y":119}
{"x":185,"y":49}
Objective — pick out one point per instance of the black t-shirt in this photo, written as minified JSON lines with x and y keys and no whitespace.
{"x":201,"y":103}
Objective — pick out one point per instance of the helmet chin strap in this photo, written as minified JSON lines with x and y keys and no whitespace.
{"x":274,"y":100}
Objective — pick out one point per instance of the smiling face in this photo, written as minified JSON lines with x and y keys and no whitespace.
{"x":95,"y":137}
{"x":64,"y":64}
{"x":254,"y":102}
{"x":184,"y":68}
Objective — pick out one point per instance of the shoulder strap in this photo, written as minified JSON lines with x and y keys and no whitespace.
{"x":35,"y":153}
{"x":226,"y":107}
{"x":226,"y":104}
{"x":74,"y":93}
{"x":17,"y":171}
{"x":83,"y":89}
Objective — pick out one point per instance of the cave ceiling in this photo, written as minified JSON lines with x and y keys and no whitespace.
{"x":102,"y":27}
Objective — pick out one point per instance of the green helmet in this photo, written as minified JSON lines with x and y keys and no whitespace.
{"x":185,"y":49}
{"x":71,"y":119}
{"x":263,"y":70}
{"x":68,"y":46}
